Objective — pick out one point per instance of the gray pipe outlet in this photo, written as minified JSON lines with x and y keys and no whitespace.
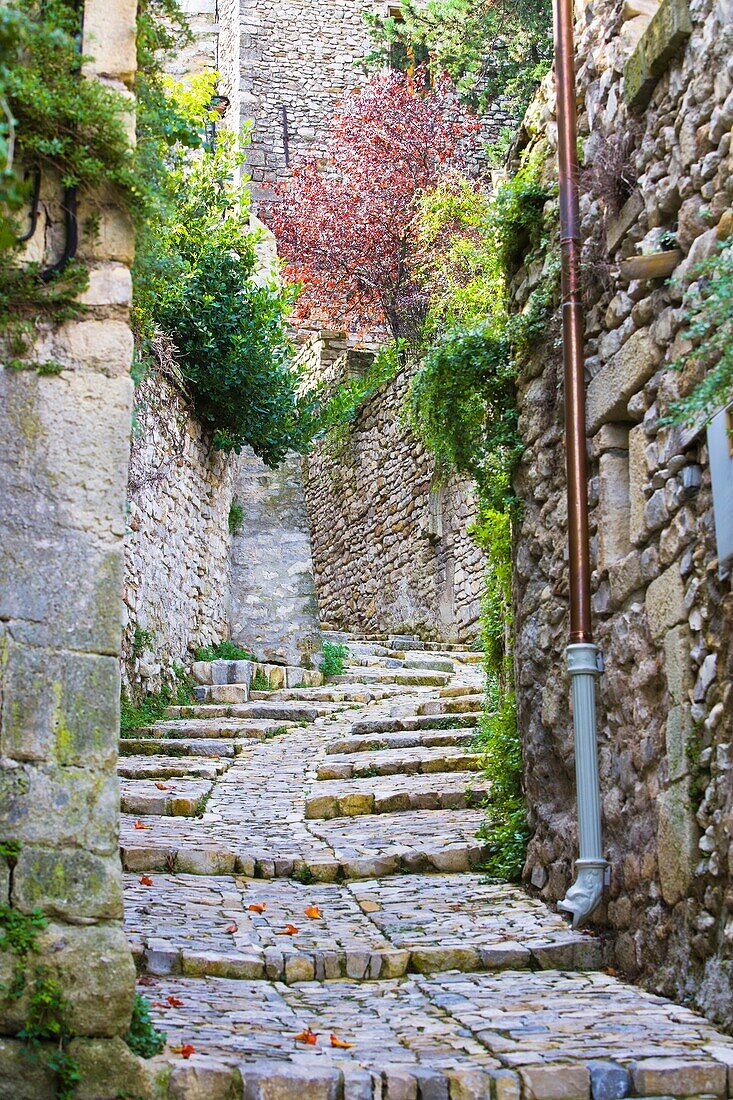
{"x":587,"y":890}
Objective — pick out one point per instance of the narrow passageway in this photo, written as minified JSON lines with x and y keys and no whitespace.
{"x":307,"y":910}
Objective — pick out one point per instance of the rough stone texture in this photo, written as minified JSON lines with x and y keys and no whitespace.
{"x":391,"y":548}
{"x":662,"y":614}
{"x":64,"y":448}
{"x":274,"y":613}
{"x":286,"y":65}
{"x":178,"y":541}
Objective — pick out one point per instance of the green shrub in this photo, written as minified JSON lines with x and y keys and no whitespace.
{"x":144,"y":1038}
{"x":334,"y":658}
{"x":260,"y":681}
{"x":236,"y":517}
{"x":196,"y":278}
{"x":222,"y":651}
{"x":709,"y":317}
{"x":152,"y":707}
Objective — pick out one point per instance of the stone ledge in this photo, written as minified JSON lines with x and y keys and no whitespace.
{"x":668,"y":31}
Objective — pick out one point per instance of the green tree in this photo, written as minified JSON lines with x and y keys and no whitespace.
{"x":198,"y":278}
{"x":490,"y":48}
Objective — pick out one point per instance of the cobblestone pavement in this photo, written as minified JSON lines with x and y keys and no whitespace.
{"x":306,"y":910}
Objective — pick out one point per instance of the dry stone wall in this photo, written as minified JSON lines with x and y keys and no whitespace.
{"x":178,"y":541}
{"x":391,"y":547}
{"x":64,"y":448}
{"x":663,"y":615}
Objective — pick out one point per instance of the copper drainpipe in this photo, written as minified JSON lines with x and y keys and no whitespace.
{"x":582,"y":655}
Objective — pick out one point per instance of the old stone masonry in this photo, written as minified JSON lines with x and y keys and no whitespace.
{"x":309,"y":918}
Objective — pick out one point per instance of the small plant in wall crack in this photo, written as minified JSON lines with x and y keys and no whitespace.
{"x":45,"y":1033}
{"x":334,"y":659}
{"x":144,"y":1038}
{"x":236,"y":517}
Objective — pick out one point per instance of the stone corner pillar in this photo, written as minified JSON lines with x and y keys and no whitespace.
{"x":64,"y":449}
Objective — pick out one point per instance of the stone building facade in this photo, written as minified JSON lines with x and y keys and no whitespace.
{"x":64,"y":448}
{"x":658,"y":95}
{"x":391,"y":544}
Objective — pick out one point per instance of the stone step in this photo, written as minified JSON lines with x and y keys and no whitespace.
{"x":419,"y":842}
{"x":427,"y":738}
{"x":393,"y":794}
{"x":402,"y":761}
{"x":337,"y":695}
{"x":408,"y":723}
{"x":180,"y":747}
{"x":548,"y":1035}
{"x":456,"y":691}
{"x":268,"y":708}
{"x":181,"y":798}
{"x":463,"y":704}
{"x":435,"y":662}
{"x":183,"y":924}
{"x":256,"y":729}
{"x":165,"y":767}
{"x":405,"y":677}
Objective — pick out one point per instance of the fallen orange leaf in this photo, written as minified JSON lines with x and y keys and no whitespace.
{"x":162,"y":787}
{"x":140,"y":825}
{"x":146,"y":880}
{"x":185,"y":1051}
{"x":159,"y":1004}
{"x":313,"y":912}
{"x":232,"y":928}
{"x":288,"y":930}
{"x":257,"y":907}
{"x":340,"y":1043}
{"x":174,"y":1002}
{"x":307,"y":1036}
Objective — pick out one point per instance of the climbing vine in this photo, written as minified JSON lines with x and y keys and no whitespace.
{"x":709,"y":317}
{"x":462,"y":404}
{"x":45,"y":1033}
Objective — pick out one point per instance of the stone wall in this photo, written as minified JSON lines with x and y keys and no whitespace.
{"x":178,"y":541}
{"x":657,"y":189}
{"x":286,"y":65}
{"x":274,"y":613}
{"x":64,"y":447}
{"x":391,"y":548}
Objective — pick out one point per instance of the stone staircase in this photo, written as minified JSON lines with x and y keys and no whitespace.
{"x":306,"y":907}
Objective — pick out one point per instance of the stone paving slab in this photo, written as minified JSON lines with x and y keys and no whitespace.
{"x":268,"y":708}
{"x":255,"y":728}
{"x":166,"y":767}
{"x":174,"y":798}
{"x":427,"y":738}
{"x":460,"y":704}
{"x":418,"y":1035}
{"x":394,"y":794}
{"x":399,"y":761}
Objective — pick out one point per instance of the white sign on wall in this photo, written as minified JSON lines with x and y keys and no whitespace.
{"x":720,"y":447}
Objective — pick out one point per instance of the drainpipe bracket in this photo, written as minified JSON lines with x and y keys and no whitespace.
{"x":586,"y":892}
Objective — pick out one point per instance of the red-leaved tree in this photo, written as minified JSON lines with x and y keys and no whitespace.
{"x":346,"y":227}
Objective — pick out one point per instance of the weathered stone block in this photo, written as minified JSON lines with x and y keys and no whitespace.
{"x":79,"y":806}
{"x":507,"y":1085}
{"x":677,"y":835}
{"x":213,"y":1081}
{"x":678,"y":732}
{"x":560,"y":1081}
{"x":283,"y":1082}
{"x":108,"y":1069}
{"x":613,"y":502}
{"x":60,"y":706}
{"x":609,"y":1081}
{"x":679,"y":1077}
{"x":622,"y":377}
{"x":618,"y":226}
{"x":68,"y":883}
{"x":665,"y":602}
{"x":109,"y":39}
{"x":23,"y":1079}
{"x":677,"y":663}
{"x":666,"y":34}
{"x":109,"y":284}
